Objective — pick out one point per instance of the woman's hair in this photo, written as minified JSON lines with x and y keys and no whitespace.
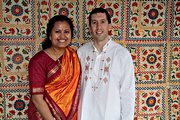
{"x":47,"y":43}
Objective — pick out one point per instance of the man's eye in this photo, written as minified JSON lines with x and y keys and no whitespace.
{"x":66,"y":31}
{"x":103,"y":21}
{"x":93,"y":22}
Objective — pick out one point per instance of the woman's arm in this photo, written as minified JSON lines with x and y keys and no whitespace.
{"x":42,"y":107}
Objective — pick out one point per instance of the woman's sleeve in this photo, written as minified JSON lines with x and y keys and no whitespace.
{"x":37,"y":75}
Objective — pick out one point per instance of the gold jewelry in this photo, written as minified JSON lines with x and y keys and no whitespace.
{"x":57,"y":58}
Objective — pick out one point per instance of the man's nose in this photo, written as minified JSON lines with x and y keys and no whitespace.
{"x":98,"y":25}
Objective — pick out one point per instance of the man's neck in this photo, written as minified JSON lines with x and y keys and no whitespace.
{"x":100,"y":44}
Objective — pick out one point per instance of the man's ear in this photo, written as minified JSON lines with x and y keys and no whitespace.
{"x":109,"y":27}
{"x":90,"y":30}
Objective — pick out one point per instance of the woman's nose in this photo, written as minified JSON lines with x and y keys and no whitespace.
{"x":62,"y":36}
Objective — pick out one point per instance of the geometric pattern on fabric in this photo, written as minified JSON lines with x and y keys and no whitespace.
{"x":175,"y":20}
{"x":149,"y":29}
{"x":15,"y":60}
{"x":147,"y":20}
{"x":149,"y":62}
{"x":14,"y":103}
{"x":17,"y":19}
{"x":174,"y":102}
{"x":174,"y":63}
{"x":150,"y":103}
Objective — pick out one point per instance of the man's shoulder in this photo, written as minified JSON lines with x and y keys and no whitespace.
{"x":119,"y":47}
{"x":120,"y":51}
{"x":85,"y":46}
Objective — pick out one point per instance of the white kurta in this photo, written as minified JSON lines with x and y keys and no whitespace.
{"x":107,"y":83}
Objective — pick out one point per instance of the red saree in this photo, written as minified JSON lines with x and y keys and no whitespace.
{"x":59,"y":83}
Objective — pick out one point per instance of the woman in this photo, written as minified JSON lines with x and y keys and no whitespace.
{"x":54,"y":75}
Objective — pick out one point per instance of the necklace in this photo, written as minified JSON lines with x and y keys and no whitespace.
{"x":57,"y":58}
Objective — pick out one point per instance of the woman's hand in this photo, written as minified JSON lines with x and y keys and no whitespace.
{"x":42,"y":107}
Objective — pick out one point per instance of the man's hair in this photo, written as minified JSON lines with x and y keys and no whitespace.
{"x":99,"y":10}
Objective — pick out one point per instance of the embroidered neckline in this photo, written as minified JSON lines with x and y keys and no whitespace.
{"x":104,"y":47}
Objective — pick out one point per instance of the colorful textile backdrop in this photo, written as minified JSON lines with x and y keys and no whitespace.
{"x":149,"y":29}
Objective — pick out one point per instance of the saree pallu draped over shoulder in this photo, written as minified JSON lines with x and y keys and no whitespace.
{"x":61,"y":92}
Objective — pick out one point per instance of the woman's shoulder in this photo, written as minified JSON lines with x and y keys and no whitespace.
{"x":72,"y":51}
{"x":40,"y":56}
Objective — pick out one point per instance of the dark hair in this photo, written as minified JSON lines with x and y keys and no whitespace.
{"x":99,"y":10}
{"x":47,"y":43}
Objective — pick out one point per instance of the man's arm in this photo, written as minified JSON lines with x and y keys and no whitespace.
{"x":127,"y":91}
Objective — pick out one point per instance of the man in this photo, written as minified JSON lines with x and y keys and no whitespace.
{"x":107,"y":81}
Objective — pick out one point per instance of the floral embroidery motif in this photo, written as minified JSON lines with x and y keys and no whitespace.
{"x":102,"y":70}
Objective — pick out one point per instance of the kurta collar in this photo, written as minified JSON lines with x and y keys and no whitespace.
{"x":104,"y":47}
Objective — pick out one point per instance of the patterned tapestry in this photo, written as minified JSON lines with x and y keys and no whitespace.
{"x":149,"y":29}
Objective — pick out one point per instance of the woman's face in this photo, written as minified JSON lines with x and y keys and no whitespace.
{"x":61,"y":34}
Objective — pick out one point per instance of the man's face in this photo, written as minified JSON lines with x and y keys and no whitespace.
{"x":99,"y":27}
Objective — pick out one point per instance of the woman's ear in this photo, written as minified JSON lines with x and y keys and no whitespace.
{"x":50,"y":37}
